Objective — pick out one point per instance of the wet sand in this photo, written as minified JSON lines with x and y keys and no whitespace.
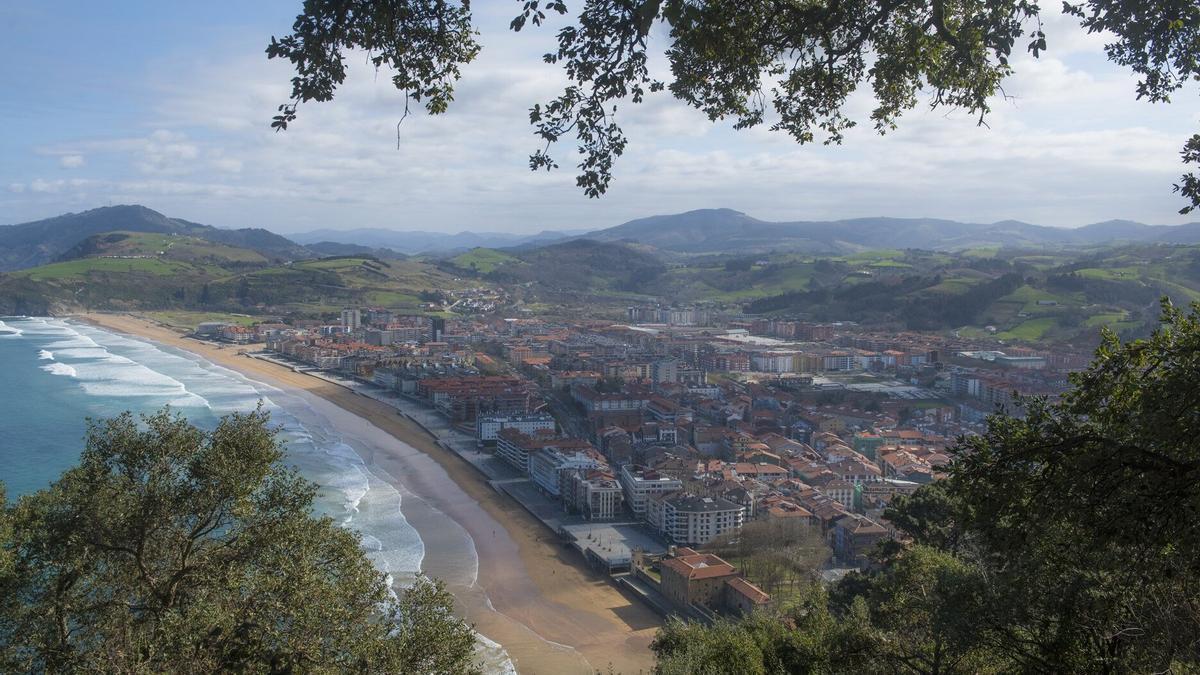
{"x":532,"y":595}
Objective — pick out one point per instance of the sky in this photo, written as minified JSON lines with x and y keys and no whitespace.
{"x":168,"y":105}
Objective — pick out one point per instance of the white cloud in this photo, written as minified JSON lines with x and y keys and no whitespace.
{"x":1071,"y":146}
{"x":227,"y":164}
{"x":71,"y":161}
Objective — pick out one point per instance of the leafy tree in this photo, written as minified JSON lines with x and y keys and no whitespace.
{"x":722,"y":54}
{"x":809,"y":639}
{"x":1096,"y":496}
{"x":171,"y":548}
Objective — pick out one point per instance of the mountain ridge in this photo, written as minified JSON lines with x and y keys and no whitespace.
{"x":696,"y":232}
{"x":727,"y":230}
{"x":38,"y":242}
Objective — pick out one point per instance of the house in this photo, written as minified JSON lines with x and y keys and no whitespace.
{"x":853,"y":536}
{"x":691,"y":579}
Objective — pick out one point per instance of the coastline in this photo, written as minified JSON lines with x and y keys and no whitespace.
{"x":536,"y":598}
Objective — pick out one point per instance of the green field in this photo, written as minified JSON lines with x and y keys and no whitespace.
{"x":484,"y":260}
{"x":1030,"y":331}
{"x":80,"y":269}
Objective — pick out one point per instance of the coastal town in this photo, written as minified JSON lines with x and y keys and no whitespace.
{"x":705,"y":462}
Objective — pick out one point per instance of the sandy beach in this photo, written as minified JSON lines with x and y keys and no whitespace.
{"x":533,"y":595}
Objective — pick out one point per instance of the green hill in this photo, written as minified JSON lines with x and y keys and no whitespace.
{"x":44,"y":241}
{"x":1030,"y":297}
{"x":163,"y":271}
{"x":575,"y":266}
{"x":165,"y":246}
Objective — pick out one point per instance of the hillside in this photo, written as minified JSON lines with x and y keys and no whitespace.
{"x":728,"y":231}
{"x":156,"y":271}
{"x":1024,"y":296}
{"x":575,"y":266}
{"x":178,"y":247}
{"x":416,"y":241}
{"x":43,"y":241}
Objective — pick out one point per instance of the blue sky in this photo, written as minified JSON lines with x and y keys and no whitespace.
{"x":168,"y":104}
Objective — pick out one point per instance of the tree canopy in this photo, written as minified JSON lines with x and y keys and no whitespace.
{"x":790,"y":65}
{"x":171,"y":548}
{"x":1064,"y":539}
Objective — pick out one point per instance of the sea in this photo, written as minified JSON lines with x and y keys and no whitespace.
{"x":56,"y":373}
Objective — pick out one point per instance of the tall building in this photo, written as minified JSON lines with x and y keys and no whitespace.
{"x":665,"y":371}
{"x":437,"y":328}
{"x":351,"y":319}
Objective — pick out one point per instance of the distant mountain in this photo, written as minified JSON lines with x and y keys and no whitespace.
{"x":412,"y":242}
{"x":42,"y":241}
{"x":333,"y":248}
{"x":726,"y":231}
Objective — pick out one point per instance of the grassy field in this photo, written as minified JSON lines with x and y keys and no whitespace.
{"x":1032,"y":330}
{"x":484,"y":260}
{"x":81,"y":269}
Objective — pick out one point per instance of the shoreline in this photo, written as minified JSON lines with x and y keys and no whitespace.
{"x":536,"y":598}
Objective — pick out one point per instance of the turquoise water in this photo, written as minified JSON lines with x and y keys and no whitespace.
{"x":56,"y":373}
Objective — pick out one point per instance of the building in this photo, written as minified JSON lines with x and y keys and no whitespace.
{"x":773,"y":362}
{"x":516,"y":448}
{"x":463,"y":399}
{"x":642,"y":484}
{"x":735,"y":362}
{"x":210,"y":328}
{"x":694,"y":520}
{"x":437,"y":328}
{"x":595,"y":494}
{"x":487,"y":427}
{"x":854,"y":536}
{"x":743,"y":598}
{"x":547,"y":466}
{"x":351,"y":319}
{"x":665,"y":371}
{"x":691,"y":579}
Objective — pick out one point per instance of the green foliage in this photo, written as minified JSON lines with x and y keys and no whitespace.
{"x":422,"y":41}
{"x":170,"y":548}
{"x":809,"y":639}
{"x":795,"y":64}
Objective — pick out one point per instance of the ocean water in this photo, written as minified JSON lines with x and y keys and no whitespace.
{"x":55,"y":373}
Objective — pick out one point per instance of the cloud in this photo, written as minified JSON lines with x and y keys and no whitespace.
{"x":71,"y":161}
{"x":1070,"y":146}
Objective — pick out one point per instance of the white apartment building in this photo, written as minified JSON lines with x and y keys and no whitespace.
{"x":642,"y":484}
{"x":773,"y":362}
{"x":487,"y":427}
{"x":546,"y":467}
{"x":694,"y":521}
